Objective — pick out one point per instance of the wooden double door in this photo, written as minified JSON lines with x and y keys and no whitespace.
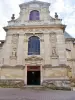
{"x":33,"y":75}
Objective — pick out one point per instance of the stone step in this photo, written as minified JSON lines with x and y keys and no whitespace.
{"x":33,"y":87}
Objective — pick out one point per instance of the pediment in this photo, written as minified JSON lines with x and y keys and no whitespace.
{"x":35,"y":3}
{"x":34,"y":58}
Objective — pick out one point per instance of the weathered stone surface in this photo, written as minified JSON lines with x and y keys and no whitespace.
{"x":11,"y":83}
{"x":57,"y":84}
{"x":11,"y":73}
{"x":55,"y":72}
{"x":56,"y":54}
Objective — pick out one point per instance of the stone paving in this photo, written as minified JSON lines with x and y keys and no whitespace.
{"x":29,"y":94}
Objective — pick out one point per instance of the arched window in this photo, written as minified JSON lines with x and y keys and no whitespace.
{"x":34,"y":15}
{"x":34,"y":46}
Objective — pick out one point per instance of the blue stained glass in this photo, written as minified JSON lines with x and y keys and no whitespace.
{"x":34,"y":15}
{"x":33,"y":46}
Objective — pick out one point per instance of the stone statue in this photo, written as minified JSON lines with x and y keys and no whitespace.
{"x":14,"y":53}
{"x":54,"y":51}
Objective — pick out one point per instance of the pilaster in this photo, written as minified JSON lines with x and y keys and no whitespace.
{"x":61,"y":48}
{"x":25,"y":76}
{"x":20,"y":50}
{"x":46,"y":49}
{"x":6,"y":53}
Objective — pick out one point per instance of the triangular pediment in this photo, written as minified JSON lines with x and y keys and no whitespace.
{"x":34,"y":58}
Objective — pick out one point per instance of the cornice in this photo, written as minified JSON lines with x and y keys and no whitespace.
{"x":71,"y":59}
{"x":59,"y":66}
{"x":13,"y":67}
{"x":69,"y":39}
{"x":56,"y":79}
{"x":35,"y":27}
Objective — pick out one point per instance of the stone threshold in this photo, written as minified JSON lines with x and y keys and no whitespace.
{"x":33,"y":86}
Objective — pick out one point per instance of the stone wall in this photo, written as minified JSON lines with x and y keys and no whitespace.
{"x":70,"y":53}
{"x":11,"y":73}
{"x":55,"y":73}
{"x":52,"y":44}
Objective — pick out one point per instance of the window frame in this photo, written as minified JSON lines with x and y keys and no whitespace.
{"x":34,"y":45}
{"x":35,"y":14}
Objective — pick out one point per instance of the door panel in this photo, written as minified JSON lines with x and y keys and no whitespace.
{"x":33,"y":77}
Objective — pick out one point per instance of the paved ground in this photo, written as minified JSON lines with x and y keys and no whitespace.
{"x":29,"y":94}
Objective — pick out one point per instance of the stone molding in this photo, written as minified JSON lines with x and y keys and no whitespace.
{"x":57,"y":79}
{"x":71,"y":59}
{"x":11,"y":80}
{"x":70,"y":39}
{"x":16,"y":66}
{"x":54,"y":56}
{"x":26,"y":40}
{"x":43,"y":27}
{"x":33,"y":58}
{"x":34,"y":2}
{"x":16,"y":34}
{"x":44,"y":66}
{"x":28,"y":35}
{"x":60,"y":66}
{"x":13,"y":57}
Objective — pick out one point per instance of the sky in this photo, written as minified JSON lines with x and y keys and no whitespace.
{"x":64,"y":8}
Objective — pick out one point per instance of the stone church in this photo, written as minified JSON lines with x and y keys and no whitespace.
{"x":37,"y":50}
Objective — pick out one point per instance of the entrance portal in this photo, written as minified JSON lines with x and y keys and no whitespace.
{"x":33,"y":75}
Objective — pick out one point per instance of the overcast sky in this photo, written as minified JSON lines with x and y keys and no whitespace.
{"x":64,"y":8}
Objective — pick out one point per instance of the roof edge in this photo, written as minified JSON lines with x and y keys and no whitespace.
{"x":39,"y":2}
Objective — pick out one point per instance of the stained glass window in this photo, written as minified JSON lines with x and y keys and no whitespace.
{"x":34,"y":46}
{"x":34,"y":15}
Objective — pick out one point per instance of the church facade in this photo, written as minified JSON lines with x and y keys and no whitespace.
{"x":37,"y":49}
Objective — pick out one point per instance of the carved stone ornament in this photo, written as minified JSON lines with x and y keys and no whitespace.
{"x":14,"y":53}
{"x":37,"y":30}
{"x":53,"y":44}
{"x":34,"y":5}
{"x":25,"y":40}
{"x":15,"y":38}
{"x":42,"y":40}
{"x":53,"y":37}
{"x":14,"y":45}
{"x":54,"y":52}
{"x":33,"y":58}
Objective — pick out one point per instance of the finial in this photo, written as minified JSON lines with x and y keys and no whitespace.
{"x":13,"y":16}
{"x":56,"y":15}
